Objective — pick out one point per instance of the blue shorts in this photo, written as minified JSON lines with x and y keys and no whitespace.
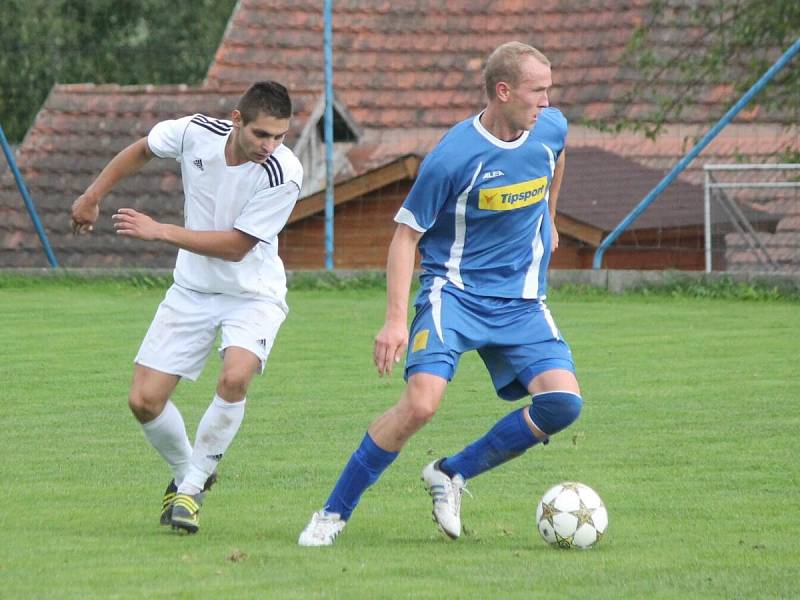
{"x":516,"y":338}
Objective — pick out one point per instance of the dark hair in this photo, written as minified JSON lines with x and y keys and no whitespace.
{"x":268,"y":97}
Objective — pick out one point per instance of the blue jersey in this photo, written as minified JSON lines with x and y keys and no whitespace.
{"x":482,"y":206}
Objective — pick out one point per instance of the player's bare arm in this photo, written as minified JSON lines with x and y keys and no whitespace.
{"x":555,"y":187}
{"x":232,"y":245}
{"x":392,"y":339}
{"x":86,"y":209}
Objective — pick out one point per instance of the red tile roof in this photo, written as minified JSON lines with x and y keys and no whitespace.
{"x":80,"y":128}
{"x":404,"y":71}
{"x":419,"y":64}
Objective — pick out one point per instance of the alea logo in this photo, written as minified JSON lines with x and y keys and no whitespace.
{"x":492,"y":175}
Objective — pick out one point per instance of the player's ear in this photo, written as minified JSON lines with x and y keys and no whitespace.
{"x":236,"y":117}
{"x":502,"y":90}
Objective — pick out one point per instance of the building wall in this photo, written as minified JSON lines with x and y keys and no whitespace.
{"x":364,"y":228}
{"x":687,"y":255}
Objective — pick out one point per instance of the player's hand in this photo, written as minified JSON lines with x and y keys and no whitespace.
{"x":554,"y":240}
{"x":132,"y":223}
{"x":390,"y":343}
{"x":84,"y":212}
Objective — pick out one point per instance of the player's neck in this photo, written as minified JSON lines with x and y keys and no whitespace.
{"x":495,"y":123}
{"x":232,"y":155}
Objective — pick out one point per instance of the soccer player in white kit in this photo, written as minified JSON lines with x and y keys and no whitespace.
{"x":482,"y":214}
{"x":240,"y":184}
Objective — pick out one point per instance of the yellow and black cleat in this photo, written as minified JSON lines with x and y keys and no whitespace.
{"x":166,"y":503}
{"x":186,"y":512}
{"x":169,"y":498}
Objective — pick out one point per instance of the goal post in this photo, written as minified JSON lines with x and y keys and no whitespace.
{"x":752,"y":217}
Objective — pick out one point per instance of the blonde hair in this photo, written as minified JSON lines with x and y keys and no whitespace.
{"x":504,"y":64}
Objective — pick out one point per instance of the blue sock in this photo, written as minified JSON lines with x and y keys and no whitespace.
{"x":509,"y":438}
{"x":361,"y":471}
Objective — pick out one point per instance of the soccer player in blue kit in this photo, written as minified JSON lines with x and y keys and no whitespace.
{"x":482,"y":214}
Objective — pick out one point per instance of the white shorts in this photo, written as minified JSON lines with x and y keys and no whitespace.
{"x":183,"y":331}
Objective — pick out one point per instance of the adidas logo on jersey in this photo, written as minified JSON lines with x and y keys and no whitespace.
{"x":492,"y":175}
{"x":198,"y":163}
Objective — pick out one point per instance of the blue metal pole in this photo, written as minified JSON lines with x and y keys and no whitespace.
{"x":27,"y":198}
{"x":328,"y":127}
{"x":684,"y":162}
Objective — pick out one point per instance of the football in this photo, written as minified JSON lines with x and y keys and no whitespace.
{"x":571,"y":515}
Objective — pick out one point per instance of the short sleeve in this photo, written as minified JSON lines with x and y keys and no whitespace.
{"x":551,"y":129}
{"x":428,"y":195}
{"x":166,"y":138}
{"x":266,"y":213}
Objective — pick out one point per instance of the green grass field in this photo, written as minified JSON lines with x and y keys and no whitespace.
{"x":689,"y":433}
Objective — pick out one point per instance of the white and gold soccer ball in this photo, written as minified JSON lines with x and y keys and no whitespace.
{"x":571,"y":515}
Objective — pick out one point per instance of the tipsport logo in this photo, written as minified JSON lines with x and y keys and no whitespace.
{"x":515,"y":196}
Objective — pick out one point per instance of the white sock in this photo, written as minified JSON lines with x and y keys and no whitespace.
{"x":215,"y":433}
{"x":167,"y":434}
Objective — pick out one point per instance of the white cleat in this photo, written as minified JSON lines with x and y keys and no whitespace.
{"x":322,"y":529}
{"x":446,"y":493}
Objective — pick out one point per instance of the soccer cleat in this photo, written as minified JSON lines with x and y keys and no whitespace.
{"x":446,"y":493}
{"x":166,"y":503}
{"x":322,"y":529}
{"x":186,"y":512}
{"x":169,"y":496}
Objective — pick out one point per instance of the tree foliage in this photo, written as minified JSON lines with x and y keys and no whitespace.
{"x":688,"y":46}
{"x":101,"y":41}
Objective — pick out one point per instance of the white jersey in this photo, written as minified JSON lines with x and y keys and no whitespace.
{"x":256,"y":199}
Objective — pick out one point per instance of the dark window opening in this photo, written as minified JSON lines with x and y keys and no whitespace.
{"x":341,"y":130}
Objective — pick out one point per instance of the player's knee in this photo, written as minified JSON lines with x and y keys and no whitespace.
{"x":421,"y":413}
{"x":554,"y":411}
{"x":415,"y":410}
{"x":143,"y":406}
{"x":421,"y":399}
{"x":232,"y":384}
